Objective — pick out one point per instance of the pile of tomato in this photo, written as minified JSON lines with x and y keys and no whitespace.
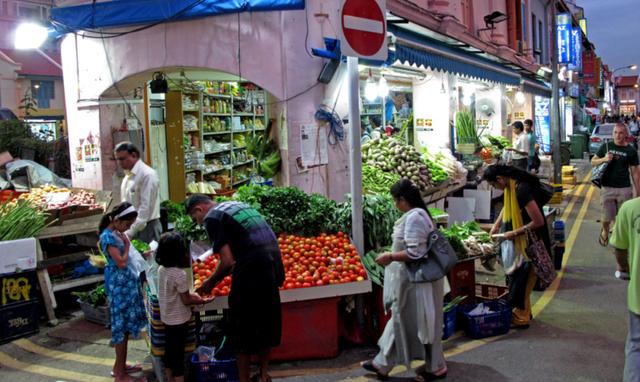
{"x":320,"y":260}
{"x":308,"y":261}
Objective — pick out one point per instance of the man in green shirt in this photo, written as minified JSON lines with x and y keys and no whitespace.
{"x":626,"y":241}
{"x":616,"y":182}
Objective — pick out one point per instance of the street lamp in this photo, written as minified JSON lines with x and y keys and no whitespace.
{"x":630,"y":67}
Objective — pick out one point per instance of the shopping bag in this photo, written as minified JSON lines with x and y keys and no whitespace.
{"x":539,"y":256}
{"x":598,"y":172}
{"x":510,"y":259}
{"x":137,"y":262}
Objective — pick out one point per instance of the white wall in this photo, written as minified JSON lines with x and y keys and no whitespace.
{"x":431,"y":106}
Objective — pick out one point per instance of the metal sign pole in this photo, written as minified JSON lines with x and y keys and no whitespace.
{"x":355,"y":167}
{"x":555,"y":98}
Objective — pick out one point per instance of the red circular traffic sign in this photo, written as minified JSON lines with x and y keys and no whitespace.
{"x":363,"y":26}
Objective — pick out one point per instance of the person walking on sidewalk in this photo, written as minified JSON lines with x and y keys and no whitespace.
{"x":616,"y":181}
{"x":626,"y":243}
{"x":533,"y":162}
{"x":520,"y":149}
{"x":140,"y":187}
{"x":524,"y":198}
{"x":248,"y":250}
{"x":415,"y":328}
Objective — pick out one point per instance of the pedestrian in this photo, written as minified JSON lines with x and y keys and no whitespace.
{"x":626,"y":243}
{"x":140,"y":187}
{"x":415,"y":328}
{"x":364,"y":135}
{"x":616,"y":181}
{"x":175,"y":301}
{"x":524,"y":198}
{"x":520,"y":149}
{"x":533,"y":161}
{"x":248,"y":250}
{"x":126,"y":306}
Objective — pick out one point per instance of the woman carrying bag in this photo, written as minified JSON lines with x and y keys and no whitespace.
{"x":521,"y":219}
{"x":415,"y":328}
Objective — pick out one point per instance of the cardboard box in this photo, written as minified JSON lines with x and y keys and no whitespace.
{"x":17,"y":255}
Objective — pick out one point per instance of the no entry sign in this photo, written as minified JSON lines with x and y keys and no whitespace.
{"x":364,"y":29}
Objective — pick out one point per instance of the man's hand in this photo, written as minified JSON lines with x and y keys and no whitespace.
{"x":609,"y":157}
{"x":384,"y":259}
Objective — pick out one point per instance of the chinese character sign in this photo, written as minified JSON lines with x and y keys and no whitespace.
{"x":563,"y":34}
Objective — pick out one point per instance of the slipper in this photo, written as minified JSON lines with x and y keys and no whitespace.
{"x":424,"y":375}
{"x":130,"y":368}
{"x":369,"y":366}
{"x":603,"y":240}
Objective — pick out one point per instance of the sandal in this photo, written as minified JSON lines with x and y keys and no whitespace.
{"x":424,"y":375}
{"x":130,"y":369}
{"x":370,"y":366}
{"x":603,"y":240}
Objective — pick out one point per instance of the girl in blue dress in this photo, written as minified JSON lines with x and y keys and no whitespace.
{"x":126,"y":305}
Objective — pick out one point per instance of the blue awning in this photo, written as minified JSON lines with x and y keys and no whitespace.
{"x":117,"y":13}
{"x":536,"y":87}
{"x":416,"y":49}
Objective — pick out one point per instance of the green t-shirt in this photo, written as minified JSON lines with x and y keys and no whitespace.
{"x":532,"y":144}
{"x":617,"y":174}
{"x":626,"y":235}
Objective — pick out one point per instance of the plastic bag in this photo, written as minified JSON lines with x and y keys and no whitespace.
{"x":392,"y":275}
{"x":511,"y":260}
{"x":136,"y":261}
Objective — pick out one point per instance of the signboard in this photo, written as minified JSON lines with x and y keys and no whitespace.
{"x":313,"y":142}
{"x":583,"y":25}
{"x":543,"y":123}
{"x":364,"y":29}
{"x":588,"y":68}
{"x":576,"y":50}
{"x":563,"y":35}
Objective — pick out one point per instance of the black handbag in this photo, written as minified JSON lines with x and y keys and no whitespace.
{"x":598,"y":172}
{"x":436,"y":263}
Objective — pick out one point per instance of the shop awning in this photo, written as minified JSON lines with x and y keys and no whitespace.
{"x":536,"y":88}
{"x":117,"y":13}
{"x":415,"y":49}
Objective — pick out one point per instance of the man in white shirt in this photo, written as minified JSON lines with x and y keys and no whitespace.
{"x":140,"y":187}
{"x":520,"y":149}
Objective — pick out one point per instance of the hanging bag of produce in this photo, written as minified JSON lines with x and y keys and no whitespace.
{"x":598,"y":172}
{"x":539,"y":256}
{"x":510,"y":259}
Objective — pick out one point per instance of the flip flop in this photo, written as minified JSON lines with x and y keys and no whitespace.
{"x":370,"y":366}
{"x":603,"y":240}
{"x":130,"y":369}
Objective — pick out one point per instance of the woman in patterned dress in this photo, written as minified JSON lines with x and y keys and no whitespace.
{"x":126,"y":305}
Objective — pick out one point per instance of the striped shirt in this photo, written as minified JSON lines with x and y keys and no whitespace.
{"x":171,"y":283}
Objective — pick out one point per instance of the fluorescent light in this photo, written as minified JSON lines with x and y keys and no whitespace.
{"x":371,"y":89}
{"x":520,"y":98}
{"x":383,"y":88}
{"x":30,"y":36}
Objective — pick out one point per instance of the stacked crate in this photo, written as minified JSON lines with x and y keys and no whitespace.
{"x":19,"y":309}
{"x":569,"y":175}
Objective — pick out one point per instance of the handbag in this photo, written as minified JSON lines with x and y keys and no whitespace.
{"x":539,"y":256}
{"x":598,"y":172}
{"x":438,"y":260}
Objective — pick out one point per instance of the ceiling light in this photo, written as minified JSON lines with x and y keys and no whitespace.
{"x":370,"y":89}
{"x":520,"y":98}
{"x":383,"y":88}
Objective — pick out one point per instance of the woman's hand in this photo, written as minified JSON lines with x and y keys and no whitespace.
{"x":384,"y":259}
{"x":494,"y":230}
{"x":510,"y":235}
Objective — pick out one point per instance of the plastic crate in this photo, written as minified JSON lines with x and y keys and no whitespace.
{"x":215,"y":371}
{"x":18,"y":320}
{"x":18,"y":287}
{"x":99,"y":315}
{"x":487,"y":325}
{"x":462,"y":278}
{"x":491,"y":292}
{"x":449,"y":323}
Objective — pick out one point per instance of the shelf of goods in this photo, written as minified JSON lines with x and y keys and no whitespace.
{"x":318,"y":271}
{"x":69,"y":218}
{"x":206,"y":131}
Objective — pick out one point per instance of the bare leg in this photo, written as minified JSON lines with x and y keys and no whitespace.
{"x":169,"y":374}
{"x":263,"y":358}
{"x":119,"y":368}
{"x":244,"y":365}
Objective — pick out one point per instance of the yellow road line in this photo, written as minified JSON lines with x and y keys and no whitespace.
{"x":578,"y":192}
{"x":31,"y":347}
{"x":50,"y":372}
{"x":548,"y":295}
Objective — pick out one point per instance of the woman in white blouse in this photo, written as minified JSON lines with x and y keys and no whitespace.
{"x":415,"y":328}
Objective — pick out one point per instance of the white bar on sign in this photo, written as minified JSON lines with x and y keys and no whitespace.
{"x":362,"y":24}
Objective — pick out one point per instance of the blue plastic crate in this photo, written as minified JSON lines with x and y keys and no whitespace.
{"x":449,"y":323}
{"x":487,"y":325}
{"x":224,"y":370}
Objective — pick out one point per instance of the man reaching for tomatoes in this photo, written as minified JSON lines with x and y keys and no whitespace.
{"x":248,"y":251}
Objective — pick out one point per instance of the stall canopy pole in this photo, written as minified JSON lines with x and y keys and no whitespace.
{"x":356,"y":155}
{"x":555,"y":98}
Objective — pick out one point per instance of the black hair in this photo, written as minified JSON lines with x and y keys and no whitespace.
{"x":407,"y":190}
{"x":109,"y":216}
{"x":492,"y":172}
{"x":172,"y":251}
{"x":517,"y":125}
{"x":528,"y":122}
{"x":128,"y":147}
{"x":375,"y":120}
{"x":194,"y":200}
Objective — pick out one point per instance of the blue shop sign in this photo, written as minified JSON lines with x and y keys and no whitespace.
{"x":563,"y":34}
{"x":576,"y":50}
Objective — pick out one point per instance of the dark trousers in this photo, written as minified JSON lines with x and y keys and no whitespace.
{"x":175,"y":339}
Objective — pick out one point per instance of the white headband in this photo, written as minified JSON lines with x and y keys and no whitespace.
{"x":126,"y":212}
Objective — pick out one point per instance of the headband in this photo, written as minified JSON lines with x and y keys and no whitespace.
{"x":126,"y":212}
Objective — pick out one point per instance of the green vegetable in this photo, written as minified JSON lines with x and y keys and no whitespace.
{"x":96,"y":297}
{"x":21,"y":220}
{"x":266,"y":152}
{"x":189,"y":229}
{"x":374,"y":270}
{"x":140,"y":246}
{"x":376,"y":181}
{"x":466,"y":128}
{"x":453,"y":303}
{"x":435,"y":212}
{"x":174,"y":210}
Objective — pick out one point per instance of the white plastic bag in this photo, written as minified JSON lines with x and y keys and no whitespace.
{"x":511,"y":260}
{"x":136,"y":261}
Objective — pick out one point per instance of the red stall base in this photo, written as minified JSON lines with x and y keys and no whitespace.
{"x":462,"y":279}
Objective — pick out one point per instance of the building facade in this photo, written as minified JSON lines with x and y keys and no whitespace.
{"x":628,"y":95}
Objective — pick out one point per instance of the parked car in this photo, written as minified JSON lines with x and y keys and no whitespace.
{"x":601,"y":134}
{"x":7,"y":114}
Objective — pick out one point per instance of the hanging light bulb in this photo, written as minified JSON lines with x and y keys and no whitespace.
{"x":383,"y":88}
{"x":520,"y":98}
{"x":442,"y":89}
{"x":371,"y":88}
{"x":466,"y":100}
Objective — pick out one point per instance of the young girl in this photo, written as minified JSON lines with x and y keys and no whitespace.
{"x":175,"y":300}
{"x":121,"y":283}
